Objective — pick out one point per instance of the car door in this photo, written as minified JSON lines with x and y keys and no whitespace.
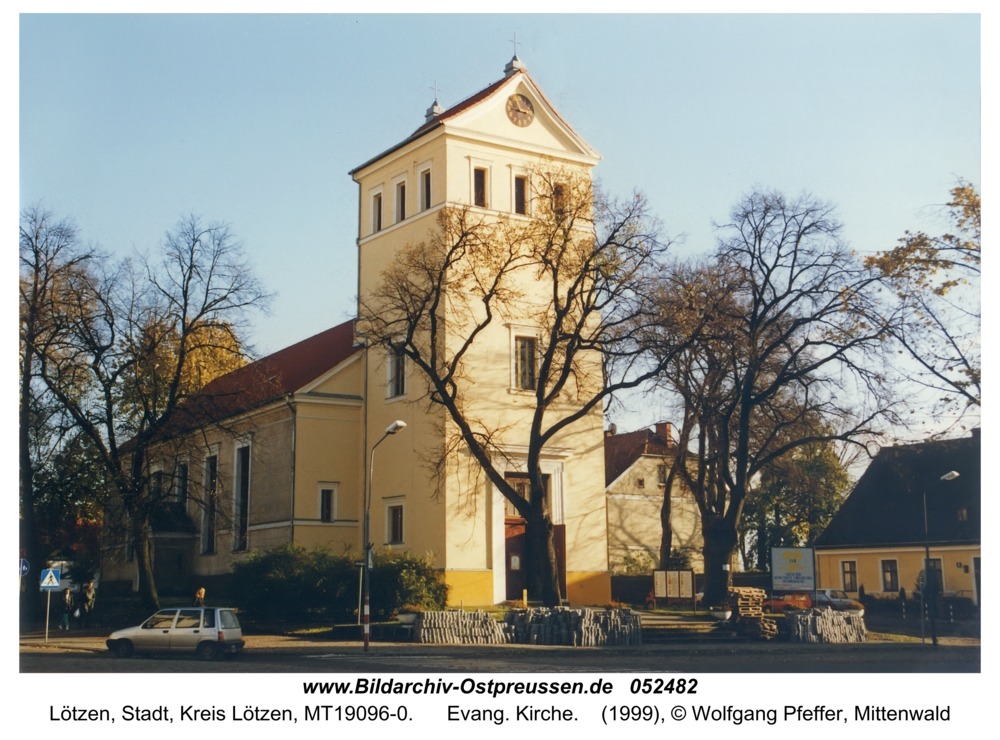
{"x":154,"y":634}
{"x":187,"y":631}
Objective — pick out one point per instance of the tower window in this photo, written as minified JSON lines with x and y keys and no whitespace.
{"x":397,"y":372}
{"x":400,"y":201}
{"x":559,"y":200}
{"x":479,"y":187}
{"x":525,"y":363}
{"x":521,"y":195}
{"x":377,"y":212}
{"x":425,"y":194}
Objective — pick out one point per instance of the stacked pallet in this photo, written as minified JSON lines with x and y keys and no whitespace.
{"x":749,"y":601}
{"x":750,"y":619}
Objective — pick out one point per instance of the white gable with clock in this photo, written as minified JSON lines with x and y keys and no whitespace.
{"x":480,"y":154}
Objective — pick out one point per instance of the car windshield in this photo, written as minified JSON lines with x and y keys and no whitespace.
{"x":229,"y":620}
{"x":160,"y":620}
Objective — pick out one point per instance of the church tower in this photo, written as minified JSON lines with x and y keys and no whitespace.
{"x":480,"y":154}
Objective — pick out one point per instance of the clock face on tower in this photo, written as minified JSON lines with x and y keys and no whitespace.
{"x":520,"y":111}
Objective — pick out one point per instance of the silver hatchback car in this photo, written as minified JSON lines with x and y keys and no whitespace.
{"x":207,"y":632}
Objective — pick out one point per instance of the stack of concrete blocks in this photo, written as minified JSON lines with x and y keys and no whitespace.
{"x":826,"y":626}
{"x":575,"y":627}
{"x":458,"y":627}
{"x":558,"y":626}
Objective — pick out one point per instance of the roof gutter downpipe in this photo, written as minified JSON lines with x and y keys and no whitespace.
{"x":291,"y":499}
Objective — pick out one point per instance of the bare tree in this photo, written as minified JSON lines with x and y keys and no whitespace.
{"x":52,"y":262}
{"x":144,"y":338}
{"x":936,"y":281}
{"x":795,"y":334}
{"x":582,"y":272}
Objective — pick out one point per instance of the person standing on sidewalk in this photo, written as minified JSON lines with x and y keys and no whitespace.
{"x":88,"y":597}
{"x":199,"y":597}
{"x":67,"y":605}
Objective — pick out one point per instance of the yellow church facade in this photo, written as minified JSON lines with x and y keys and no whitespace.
{"x":480,"y":154}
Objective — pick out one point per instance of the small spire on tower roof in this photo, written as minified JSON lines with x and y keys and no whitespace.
{"x":435,"y":110}
{"x":514,"y":64}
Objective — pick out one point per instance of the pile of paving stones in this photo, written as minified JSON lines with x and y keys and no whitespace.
{"x":577,"y":627}
{"x":458,"y":628}
{"x":826,"y":625}
{"x":557,"y":626}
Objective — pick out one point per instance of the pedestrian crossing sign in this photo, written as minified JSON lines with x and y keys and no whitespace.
{"x":50,"y":579}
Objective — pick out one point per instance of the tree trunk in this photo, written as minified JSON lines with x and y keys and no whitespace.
{"x":144,"y":561}
{"x":543,"y":566}
{"x":32,"y":607}
{"x":720,"y":543}
{"x":667,"y":538}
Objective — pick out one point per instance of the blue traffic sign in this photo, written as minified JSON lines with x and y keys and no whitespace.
{"x":23,"y":571}
{"x":50,"y":579}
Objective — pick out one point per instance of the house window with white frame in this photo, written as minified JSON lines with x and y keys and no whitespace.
{"x":890,"y":576}
{"x":525,"y":363}
{"x":396,"y":385}
{"x":849,"y":575}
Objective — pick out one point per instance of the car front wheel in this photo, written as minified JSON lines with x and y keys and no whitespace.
{"x":206,"y":651}
{"x":124,"y":649}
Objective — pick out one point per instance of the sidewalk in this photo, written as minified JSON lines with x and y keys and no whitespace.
{"x":92,"y":640}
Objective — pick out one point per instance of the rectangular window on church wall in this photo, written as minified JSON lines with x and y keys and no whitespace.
{"x":525,"y":363}
{"x":211,"y":483}
{"x":397,"y":372}
{"x":521,"y":195}
{"x":241,"y":500}
{"x":377,"y":212}
{"x":400,"y":202}
{"x":326,"y":505}
{"x":425,"y":190}
{"x":395,"y":525}
{"x":479,"y":186}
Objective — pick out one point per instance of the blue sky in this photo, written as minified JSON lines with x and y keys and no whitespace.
{"x":129,"y":121}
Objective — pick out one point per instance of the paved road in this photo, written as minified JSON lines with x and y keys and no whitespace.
{"x":292,"y":655}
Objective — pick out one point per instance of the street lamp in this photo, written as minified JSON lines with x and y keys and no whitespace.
{"x":950,"y":475}
{"x":396,"y":426}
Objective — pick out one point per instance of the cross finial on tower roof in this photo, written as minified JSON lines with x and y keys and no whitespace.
{"x":515,"y":42}
{"x":514,"y":64}
{"x":435,"y":110}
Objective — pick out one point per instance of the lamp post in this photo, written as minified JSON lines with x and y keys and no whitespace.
{"x":396,"y":426}
{"x":926,"y":586}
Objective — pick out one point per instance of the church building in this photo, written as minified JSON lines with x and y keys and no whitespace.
{"x":294,"y":460}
